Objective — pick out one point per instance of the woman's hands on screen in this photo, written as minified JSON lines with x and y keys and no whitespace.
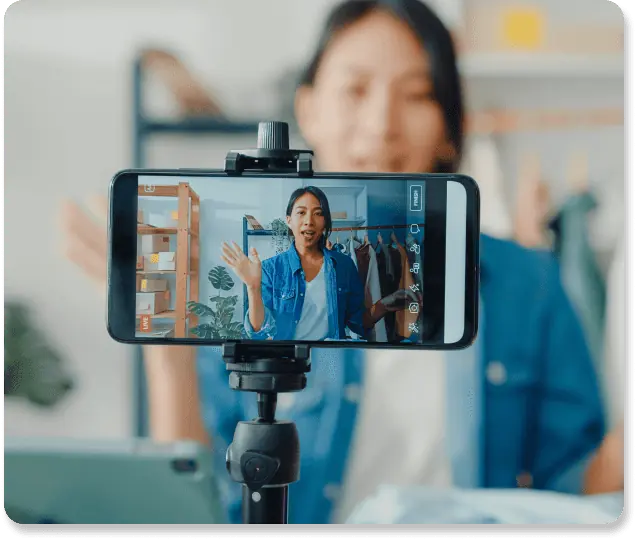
{"x":247,"y":269}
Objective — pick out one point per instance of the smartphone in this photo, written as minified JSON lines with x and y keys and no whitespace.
{"x":362,"y":260}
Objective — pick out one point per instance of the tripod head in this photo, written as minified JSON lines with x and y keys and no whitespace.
{"x":265,"y":454}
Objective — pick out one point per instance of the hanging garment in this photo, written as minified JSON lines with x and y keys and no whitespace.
{"x":374,"y":294}
{"x":362,"y":256}
{"x":352,"y":251}
{"x":481,"y":162}
{"x":615,"y":356}
{"x":580,"y":273}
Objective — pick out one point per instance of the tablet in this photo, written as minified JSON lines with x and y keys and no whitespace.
{"x":134,"y":481}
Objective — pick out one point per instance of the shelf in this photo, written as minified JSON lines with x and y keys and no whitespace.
{"x":156,"y":271}
{"x":198,"y":126}
{"x":163,"y":315}
{"x":503,"y":64}
{"x":150,"y":230}
{"x":357,"y":222}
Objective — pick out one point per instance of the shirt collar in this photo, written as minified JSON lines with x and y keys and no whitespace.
{"x":294,"y":259}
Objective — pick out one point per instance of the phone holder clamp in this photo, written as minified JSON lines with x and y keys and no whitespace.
{"x":264,"y":455}
{"x":271,"y":155}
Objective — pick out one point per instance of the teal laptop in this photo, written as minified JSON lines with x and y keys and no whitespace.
{"x":135,"y":481}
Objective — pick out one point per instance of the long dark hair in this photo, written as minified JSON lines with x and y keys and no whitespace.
{"x":436,"y":41}
{"x":324,"y":205}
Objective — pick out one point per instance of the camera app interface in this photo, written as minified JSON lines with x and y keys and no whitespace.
{"x":290,"y":259}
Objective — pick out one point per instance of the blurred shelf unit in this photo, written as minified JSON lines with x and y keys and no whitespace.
{"x":145,"y":127}
{"x":518,"y":64}
{"x":187,"y":255}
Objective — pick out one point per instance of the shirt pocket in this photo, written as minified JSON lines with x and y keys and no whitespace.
{"x":284,"y":299}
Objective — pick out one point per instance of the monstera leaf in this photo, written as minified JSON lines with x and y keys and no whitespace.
{"x":217,"y":323}
{"x":220,"y":278}
{"x":233,"y":330}
{"x":200,"y":310}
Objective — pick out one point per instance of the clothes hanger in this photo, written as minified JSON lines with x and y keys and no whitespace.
{"x":394,"y":238}
{"x":577,"y":175}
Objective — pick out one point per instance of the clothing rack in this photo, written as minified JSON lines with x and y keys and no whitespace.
{"x":374,"y":227}
{"x":247,"y":232}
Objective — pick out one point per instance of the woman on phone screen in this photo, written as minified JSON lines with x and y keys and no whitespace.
{"x":307,"y":293}
{"x":382,"y":93}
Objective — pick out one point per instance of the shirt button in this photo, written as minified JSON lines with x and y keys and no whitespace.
{"x":496,"y":373}
{"x":302,"y":294}
{"x":331,"y":491}
{"x":352,"y":393}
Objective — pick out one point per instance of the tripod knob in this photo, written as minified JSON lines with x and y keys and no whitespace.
{"x":273,"y":135}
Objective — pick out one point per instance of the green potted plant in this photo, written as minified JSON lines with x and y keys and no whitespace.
{"x":217,"y":318}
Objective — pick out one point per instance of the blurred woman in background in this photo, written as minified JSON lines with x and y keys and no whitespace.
{"x":520,"y":406}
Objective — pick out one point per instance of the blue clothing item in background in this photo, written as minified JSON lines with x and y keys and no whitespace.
{"x":283,"y":291}
{"x":522,"y":399}
{"x":580,"y":271}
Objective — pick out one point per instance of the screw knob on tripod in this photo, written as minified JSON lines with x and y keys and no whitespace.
{"x":273,"y":135}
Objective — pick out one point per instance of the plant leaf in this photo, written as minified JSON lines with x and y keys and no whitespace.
{"x":201,"y":310}
{"x":220,"y":278}
{"x":233,"y":330}
{"x":203,"y":331}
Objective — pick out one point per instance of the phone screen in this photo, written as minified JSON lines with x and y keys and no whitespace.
{"x":370,"y":260}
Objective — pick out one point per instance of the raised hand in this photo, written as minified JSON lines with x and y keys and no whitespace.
{"x":401,"y":299}
{"x":248,"y":270}
{"x":84,"y":237}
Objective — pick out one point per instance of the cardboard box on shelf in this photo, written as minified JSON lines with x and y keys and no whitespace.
{"x":140,"y":216}
{"x":164,"y":220}
{"x":152,"y":303}
{"x":154,"y":243}
{"x":166,"y":260}
{"x":140,"y":262}
{"x":339,"y":215}
{"x":151,"y":285}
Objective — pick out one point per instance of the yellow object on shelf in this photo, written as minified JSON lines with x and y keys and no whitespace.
{"x":523,"y":27}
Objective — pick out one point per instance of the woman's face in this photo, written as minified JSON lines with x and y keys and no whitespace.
{"x":307,"y":221}
{"x":371,"y":107}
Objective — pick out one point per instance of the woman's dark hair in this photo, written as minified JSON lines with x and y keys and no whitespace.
{"x":324,"y":204}
{"x":436,"y":41}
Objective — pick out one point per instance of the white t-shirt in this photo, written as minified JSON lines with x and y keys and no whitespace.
{"x":313,"y":324}
{"x":401,"y":426}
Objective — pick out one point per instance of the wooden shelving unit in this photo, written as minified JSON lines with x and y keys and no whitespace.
{"x":187,"y":251}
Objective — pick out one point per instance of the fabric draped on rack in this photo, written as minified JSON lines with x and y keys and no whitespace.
{"x":615,"y":357}
{"x":580,"y":272}
{"x":389,"y":269}
{"x":373,"y":293}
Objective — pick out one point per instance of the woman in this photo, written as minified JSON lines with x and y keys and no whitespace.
{"x":382,"y":93}
{"x":309,"y":292}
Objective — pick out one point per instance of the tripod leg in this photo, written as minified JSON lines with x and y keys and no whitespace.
{"x":268,"y":505}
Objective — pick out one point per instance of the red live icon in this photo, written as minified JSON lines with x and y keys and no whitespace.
{"x":145,"y":325}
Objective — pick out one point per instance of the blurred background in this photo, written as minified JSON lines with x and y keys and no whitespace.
{"x":95,"y":87}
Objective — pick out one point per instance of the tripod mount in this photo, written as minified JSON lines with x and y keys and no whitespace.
{"x":264,"y":455}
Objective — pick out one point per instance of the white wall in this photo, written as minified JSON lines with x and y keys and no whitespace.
{"x":68,"y":129}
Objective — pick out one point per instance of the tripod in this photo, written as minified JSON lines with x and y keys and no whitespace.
{"x":264,"y":455}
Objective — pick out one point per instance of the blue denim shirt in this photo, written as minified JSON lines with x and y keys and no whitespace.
{"x":522,"y":399}
{"x":283,"y":291}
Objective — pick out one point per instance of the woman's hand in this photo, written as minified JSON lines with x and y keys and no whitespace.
{"x":85,"y":239}
{"x":247,"y":270}
{"x":401,"y":299}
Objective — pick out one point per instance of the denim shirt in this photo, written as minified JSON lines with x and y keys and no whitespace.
{"x":522,"y":400}
{"x":283,"y":291}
